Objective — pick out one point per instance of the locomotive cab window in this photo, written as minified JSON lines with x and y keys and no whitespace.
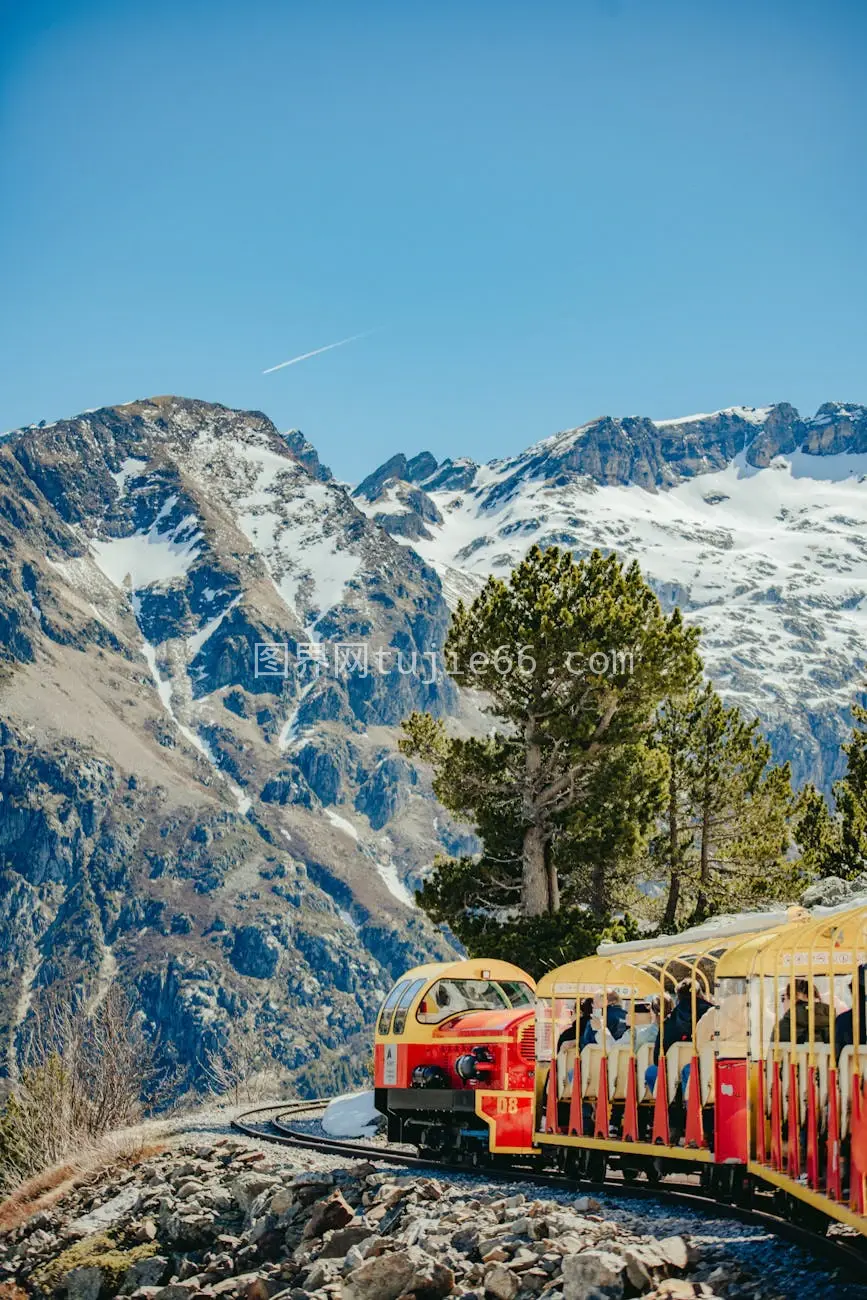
{"x":408,"y":995}
{"x":384,"y":1022}
{"x":449,"y":997}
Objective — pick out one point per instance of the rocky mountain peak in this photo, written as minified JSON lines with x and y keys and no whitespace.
{"x":199,"y":790}
{"x":306,"y":454}
{"x":393,"y":500}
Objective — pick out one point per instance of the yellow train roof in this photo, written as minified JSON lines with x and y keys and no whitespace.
{"x":591,"y":973}
{"x":723,"y":932}
{"x":471,"y":968}
{"x":625,"y":965}
{"x":827,"y":937}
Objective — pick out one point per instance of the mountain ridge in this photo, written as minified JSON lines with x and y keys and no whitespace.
{"x":238,"y":845}
{"x":751,"y":519}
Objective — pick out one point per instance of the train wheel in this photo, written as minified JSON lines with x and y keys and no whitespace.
{"x":653,"y":1173}
{"x":631,"y":1173}
{"x":569,"y":1163}
{"x":595,"y":1165}
{"x":726,"y":1183}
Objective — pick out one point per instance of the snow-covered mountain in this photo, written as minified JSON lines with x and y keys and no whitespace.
{"x":200,"y":788}
{"x":194,"y":796}
{"x":753,"y":520}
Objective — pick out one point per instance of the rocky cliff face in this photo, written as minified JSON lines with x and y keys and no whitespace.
{"x":753,"y":520}
{"x":199,"y":788}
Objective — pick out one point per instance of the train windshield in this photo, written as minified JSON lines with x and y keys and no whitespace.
{"x":449,"y":997}
{"x":388,"y":1007}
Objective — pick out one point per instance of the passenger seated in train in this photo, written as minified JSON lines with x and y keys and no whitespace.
{"x":678,"y":1029}
{"x":844,"y":1030}
{"x":574,"y":1031}
{"x":616,"y":1023}
{"x":821,"y":1015}
{"x":649,"y":1033}
{"x":678,"y":1026}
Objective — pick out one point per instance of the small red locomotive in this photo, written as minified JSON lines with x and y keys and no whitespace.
{"x":454,"y":1059}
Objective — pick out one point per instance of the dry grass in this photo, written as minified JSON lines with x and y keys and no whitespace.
{"x":44,"y":1190}
{"x":35,"y":1194}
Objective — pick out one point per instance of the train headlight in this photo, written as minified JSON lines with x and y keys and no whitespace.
{"x":429,"y":1076}
{"x":474,"y":1064}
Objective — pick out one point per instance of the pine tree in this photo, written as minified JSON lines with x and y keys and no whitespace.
{"x":835,"y":844}
{"x":573,"y":659}
{"x":851,"y":798}
{"x":670,"y":851}
{"x":817,"y":833}
{"x":726,"y":833}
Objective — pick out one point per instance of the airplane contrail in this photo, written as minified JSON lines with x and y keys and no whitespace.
{"x":315,"y":353}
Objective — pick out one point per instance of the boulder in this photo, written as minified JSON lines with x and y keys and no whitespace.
{"x":593,"y":1275}
{"x":255,"y":952}
{"x":643,"y":1266}
{"x":146,"y":1272}
{"x":430,"y":1280}
{"x":328,"y":1215}
{"x":247,"y":1186}
{"x":339,"y":1242}
{"x":675,"y":1252}
{"x":384,"y":1277}
{"x":501,"y":1284}
{"x":281,"y":1202}
{"x":82,"y":1283}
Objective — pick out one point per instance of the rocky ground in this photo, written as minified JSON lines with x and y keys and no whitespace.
{"x":216,"y":1217}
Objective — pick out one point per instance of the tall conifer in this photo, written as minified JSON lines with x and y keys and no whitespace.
{"x":572,"y":659}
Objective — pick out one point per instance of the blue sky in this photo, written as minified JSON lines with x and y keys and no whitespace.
{"x":546,"y":212}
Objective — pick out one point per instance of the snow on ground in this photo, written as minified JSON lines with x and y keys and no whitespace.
{"x":149,"y":557}
{"x":195,"y":642}
{"x":289,"y":730}
{"x":387,"y":872}
{"x":752,"y":414}
{"x":393,"y":883}
{"x":164,"y":690}
{"x":296,"y":525}
{"x":132,"y":467}
{"x":770,"y":563}
{"x":341,"y":823}
{"x":305,"y":562}
{"x":351,"y":1116}
{"x":384,"y":867}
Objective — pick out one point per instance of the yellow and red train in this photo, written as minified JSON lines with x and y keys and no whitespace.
{"x":737,"y":1050}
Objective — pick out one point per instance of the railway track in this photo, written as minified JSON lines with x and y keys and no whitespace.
{"x":274,"y":1124}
